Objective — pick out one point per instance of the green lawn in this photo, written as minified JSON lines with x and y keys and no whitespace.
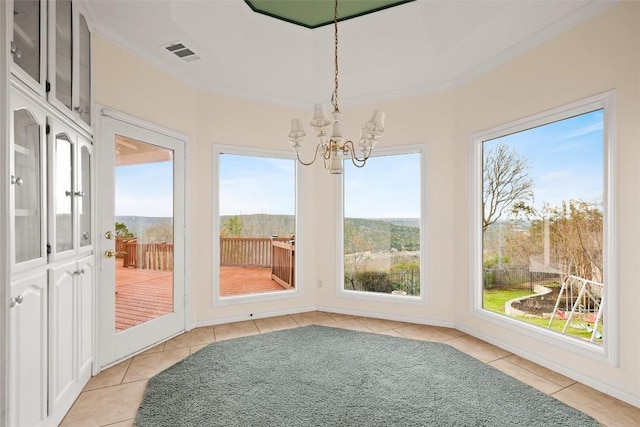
{"x":494,"y":300}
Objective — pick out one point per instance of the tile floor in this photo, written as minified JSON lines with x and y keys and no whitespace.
{"x":112,"y":397}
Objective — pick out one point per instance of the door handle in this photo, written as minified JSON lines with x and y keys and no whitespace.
{"x":111,"y":253}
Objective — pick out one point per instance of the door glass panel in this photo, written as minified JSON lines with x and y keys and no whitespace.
{"x":63,"y":52}
{"x":27,"y":185}
{"x":144,"y":232}
{"x":84,"y":77}
{"x":26,"y":36}
{"x":63,"y":193}
{"x":84,"y":194}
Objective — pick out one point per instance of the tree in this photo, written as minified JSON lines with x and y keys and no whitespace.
{"x":506,"y":184}
{"x":123,"y":231}
{"x":232,"y":227}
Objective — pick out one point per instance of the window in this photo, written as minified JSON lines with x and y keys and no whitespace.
{"x":381,"y":230}
{"x":541,"y":221}
{"x":256,"y":222}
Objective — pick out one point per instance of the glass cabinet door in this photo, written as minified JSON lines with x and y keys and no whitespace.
{"x":26,"y":44}
{"x":63,"y":52}
{"x":84,"y":194}
{"x":84,"y":72}
{"x":63,"y":193}
{"x":26,"y":181}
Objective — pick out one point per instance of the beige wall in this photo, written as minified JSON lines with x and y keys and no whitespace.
{"x":597,"y":56}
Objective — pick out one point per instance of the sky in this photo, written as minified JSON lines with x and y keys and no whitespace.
{"x":145,"y":190}
{"x":566,"y":158}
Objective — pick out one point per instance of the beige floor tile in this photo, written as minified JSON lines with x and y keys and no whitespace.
{"x":339,"y":317}
{"x":195,"y":348}
{"x":314,"y":318}
{"x":540,"y":370}
{"x":391,"y":333}
{"x":526,"y":376}
{"x":155,"y":349}
{"x":378,"y":325}
{"x":278,"y":323}
{"x":106,"y":405}
{"x":352,"y":324}
{"x":478,"y":348}
{"x":604,"y":408}
{"x":235,"y":330}
{"x":426,"y":333}
{"x":147,"y":365}
{"x":126,"y":423}
{"x":109,"y":377}
{"x":193,"y":337}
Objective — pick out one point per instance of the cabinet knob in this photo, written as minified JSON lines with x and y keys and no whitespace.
{"x":67,"y":193}
{"x":16,"y":180}
{"x":15,"y":51}
{"x":80,"y":272}
{"x":79,"y":194}
{"x":16,"y":301}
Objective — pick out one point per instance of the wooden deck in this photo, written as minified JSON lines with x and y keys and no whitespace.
{"x":142,"y":294}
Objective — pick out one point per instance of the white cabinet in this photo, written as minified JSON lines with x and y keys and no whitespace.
{"x":70,"y":331}
{"x":28,"y":351}
{"x":27,"y":192}
{"x":69,"y":192}
{"x":28,"y":44}
{"x":69,"y":66}
{"x":51,"y":54}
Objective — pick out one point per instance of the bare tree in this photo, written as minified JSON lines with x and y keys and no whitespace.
{"x":506,"y":184}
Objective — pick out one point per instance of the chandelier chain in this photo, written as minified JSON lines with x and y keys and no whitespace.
{"x":335,"y":73}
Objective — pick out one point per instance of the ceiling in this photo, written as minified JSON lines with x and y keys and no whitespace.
{"x":406,"y":50}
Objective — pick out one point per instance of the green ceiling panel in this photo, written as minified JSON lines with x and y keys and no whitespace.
{"x":316,"y":13}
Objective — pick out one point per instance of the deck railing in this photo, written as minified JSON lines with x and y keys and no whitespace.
{"x":283,"y":263}
{"x":277,"y":253}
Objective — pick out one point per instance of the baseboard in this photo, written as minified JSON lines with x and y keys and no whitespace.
{"x":387,"y":316}
{"x":252,"y":316}
{"x":577,"y":376}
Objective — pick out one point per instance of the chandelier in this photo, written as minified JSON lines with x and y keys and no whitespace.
{"x":333,"y":149}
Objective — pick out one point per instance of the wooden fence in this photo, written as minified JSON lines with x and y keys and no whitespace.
{"x":150,"y":256}
{"x":283,"y":263}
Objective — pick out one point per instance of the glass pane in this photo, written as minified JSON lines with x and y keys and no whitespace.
{"x":144,"y":232}
{"x":84,"y":194}
{"x":382,"y":225}
{"x":63,"y":193}
{"x":542,"y":226}
{"x":63,"y":52}
{"x":26,"y":36}
{"x":28,"y":190}
{"x":84,"y":77}
{"x":257,"y":224}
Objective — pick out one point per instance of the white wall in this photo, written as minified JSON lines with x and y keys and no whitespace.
{"x":594,"y":57}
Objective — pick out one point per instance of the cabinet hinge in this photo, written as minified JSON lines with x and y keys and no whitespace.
{"x":47,"y":87}
{"x":48,"y":249}
{"x":47,"y":129}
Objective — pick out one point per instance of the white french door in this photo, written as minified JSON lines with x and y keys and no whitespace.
{"x":141,"y":203}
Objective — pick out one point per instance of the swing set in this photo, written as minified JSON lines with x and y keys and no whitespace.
{"x":582,"y":305}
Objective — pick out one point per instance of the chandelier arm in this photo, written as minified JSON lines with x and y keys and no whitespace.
{"x":349,"y":148}
{"x":315,"y":157}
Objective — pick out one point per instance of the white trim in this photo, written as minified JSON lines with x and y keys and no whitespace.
{"x":608,"y":352}
{"x":388,"y":316}
{"x":422,"y":299}
{"x":4,"y":212}
{"x":217,"y":300}
{"x":253,"y":316}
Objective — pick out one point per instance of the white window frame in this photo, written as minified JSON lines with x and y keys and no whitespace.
{"x":608,"y":352}
{"x":215,"y":209}
{"x":341,"y":292}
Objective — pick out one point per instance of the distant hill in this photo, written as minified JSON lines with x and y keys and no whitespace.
{"x":261,"y":225}
{"x":149,"y":228}
{"x":380,"y":235}
{"x":409,"y":222}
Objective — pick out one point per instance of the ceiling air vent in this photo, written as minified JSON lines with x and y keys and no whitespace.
{"x":182,"y":51}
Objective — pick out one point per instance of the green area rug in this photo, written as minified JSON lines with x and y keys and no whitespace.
{"x":320,"y":376}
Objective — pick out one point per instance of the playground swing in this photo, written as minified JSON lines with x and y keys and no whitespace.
{"x":586,"y":308}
